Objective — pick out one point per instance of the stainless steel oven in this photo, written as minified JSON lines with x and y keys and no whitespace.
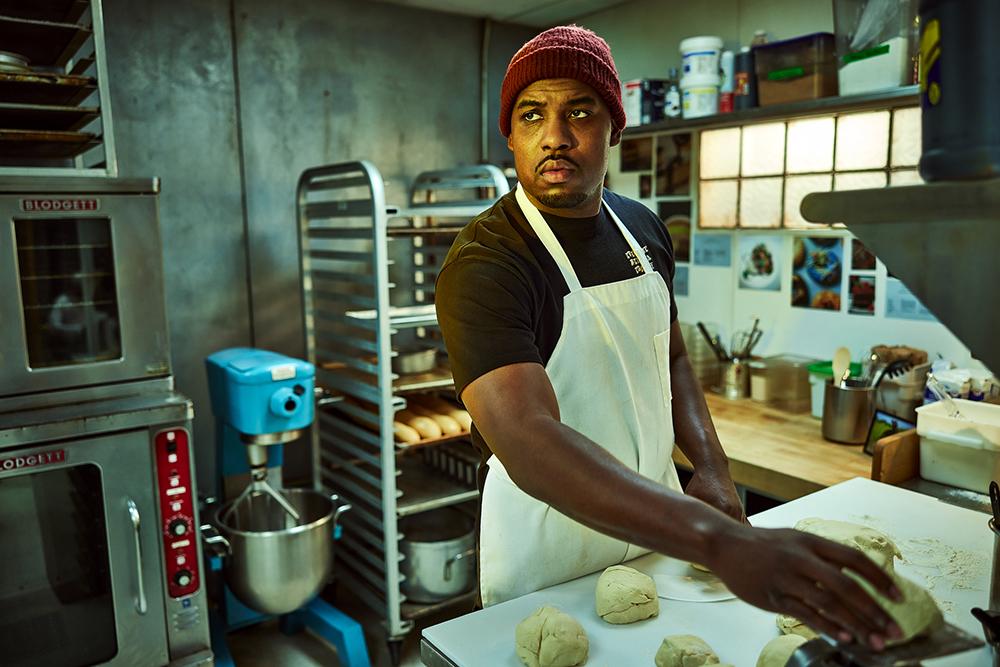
{"x":99,"y":560}
{"x":81,"y":284}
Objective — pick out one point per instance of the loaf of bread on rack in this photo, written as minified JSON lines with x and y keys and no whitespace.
{"x":444,"y":407}
{"x":425,"y":426}
{"x":405,"y":434}
{"x":448,"y":425}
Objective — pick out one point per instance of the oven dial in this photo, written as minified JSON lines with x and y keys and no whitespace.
{"x":182,"y":578}
{"x":178,"y":527}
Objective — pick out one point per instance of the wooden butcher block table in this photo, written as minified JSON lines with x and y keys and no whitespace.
{"x":944,"y":547}
{"x":780,"y":454}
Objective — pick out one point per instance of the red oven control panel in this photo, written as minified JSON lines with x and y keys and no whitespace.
{"x":173,"y":478}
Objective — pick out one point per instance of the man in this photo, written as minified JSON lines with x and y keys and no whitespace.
{"x":563,"y":339}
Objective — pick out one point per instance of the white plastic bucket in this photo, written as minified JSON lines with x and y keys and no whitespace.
{"x":700,"y":95}
{"x":700,"y":55}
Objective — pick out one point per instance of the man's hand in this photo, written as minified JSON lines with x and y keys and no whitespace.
{"x":792,"y":572}
{"x":716,"y":488}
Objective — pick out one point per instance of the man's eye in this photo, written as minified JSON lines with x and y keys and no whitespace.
{"x":530,"y":116}
{"x":579,"y":113}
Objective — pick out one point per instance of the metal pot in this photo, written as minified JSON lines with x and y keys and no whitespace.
{"x":276,"y":564}
{"x":438,"y":548}
{"x":414,"y":360}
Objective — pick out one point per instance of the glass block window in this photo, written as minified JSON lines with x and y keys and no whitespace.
{"x":756,"y":176}
{"x":763,"y":150}
{"x":720,"y":153}
{"x":717,"y":202}
{"x":862,"y":141}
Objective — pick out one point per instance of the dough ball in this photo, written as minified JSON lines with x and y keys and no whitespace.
{"x":625,"y":595}
{"x":877,"y":545}
{"x":915,"y":615}
{"x":551,"y":638}
{"x":777,"y":651}
{"x":789,"y":625}
{"x":685,"y":651}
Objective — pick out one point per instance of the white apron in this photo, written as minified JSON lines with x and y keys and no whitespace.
{"x":610,"y":371}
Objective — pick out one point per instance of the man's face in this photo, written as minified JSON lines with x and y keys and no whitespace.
{"x":560,"y":135}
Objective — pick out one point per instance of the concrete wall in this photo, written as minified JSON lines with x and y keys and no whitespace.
{"x":196,"y":87}
{"x":644,"y":34}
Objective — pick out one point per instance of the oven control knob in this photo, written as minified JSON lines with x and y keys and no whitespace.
{"x":178,"y":527}
{"x":183,"y":577}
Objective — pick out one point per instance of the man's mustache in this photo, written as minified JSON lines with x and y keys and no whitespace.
{"x":553,"y":157}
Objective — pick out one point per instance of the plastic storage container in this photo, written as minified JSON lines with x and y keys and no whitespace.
{"x":962,"y":452}
{"x":876,"y":44}
{"x":700,"y":95}
{"x":903,"y":395}
{"x":820,"y":373}
{"x":782,"y":381}
{"x":700,"y":55}
{"x":803,"y":68}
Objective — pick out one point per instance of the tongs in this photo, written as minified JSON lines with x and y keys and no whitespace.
{"x":945,"y":639}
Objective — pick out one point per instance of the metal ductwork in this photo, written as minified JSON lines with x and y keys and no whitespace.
{"x":942,"y":240}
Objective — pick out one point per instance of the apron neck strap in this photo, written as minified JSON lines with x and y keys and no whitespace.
{"x":551,"y":243}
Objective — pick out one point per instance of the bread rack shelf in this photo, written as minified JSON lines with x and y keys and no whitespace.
{"x":55,"y":111}
{"x":367,"y":289}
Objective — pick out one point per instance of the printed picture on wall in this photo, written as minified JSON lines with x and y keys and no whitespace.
{"x":817,"y":272}
{"x":637,"y":154}
{"x":680,"y":282}
{"x":901,"y":303}
{"x":713,"y":249}
{"x":862,"y":258}
{"x":673,"y":165}
{"x":759,"y":262}
{"x":861,"y":295}
{"x":645,"y":186}
{"x":676,"y":215}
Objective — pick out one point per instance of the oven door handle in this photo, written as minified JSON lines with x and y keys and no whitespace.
{"x":133,"y":515}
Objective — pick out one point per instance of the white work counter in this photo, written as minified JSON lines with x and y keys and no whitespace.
{"x":946,"y":548}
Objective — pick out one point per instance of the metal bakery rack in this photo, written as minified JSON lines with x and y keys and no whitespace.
{"x":368,"y":272}
{"x":55,"y":113}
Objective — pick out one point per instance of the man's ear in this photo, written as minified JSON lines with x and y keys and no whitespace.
{"x":616,"y":136}
{"x":510,"y":147}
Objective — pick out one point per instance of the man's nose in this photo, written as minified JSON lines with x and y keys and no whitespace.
{"x":557,"y":135}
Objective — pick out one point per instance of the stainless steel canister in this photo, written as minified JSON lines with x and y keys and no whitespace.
{"x":736,"y":379}
{"x":439,"y":548}
{"x":848,"y":411}
{"x":275,"y":563}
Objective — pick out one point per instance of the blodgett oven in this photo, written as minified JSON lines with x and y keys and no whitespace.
{"x":99,"y":558}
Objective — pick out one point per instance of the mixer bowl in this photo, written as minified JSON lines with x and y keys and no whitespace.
{"x":277,"y":564}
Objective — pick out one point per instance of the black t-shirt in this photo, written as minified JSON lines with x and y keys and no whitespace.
{"x":499,"y":294}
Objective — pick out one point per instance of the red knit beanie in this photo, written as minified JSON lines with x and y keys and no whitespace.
{"x":565,"y":52}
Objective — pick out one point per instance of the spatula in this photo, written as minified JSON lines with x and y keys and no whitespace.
{"x":841,"y":365}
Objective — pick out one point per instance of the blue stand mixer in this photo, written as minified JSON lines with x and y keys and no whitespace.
{"x":273,"y":545}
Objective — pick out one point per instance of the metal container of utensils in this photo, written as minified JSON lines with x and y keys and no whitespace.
{"x":848,"y":409}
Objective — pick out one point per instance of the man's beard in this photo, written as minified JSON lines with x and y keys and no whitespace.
{"x":562,"y":199}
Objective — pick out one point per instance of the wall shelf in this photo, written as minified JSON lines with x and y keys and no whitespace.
{"x":896,"y":97}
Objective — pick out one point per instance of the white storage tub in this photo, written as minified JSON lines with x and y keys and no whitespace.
{"x":960,"y":452}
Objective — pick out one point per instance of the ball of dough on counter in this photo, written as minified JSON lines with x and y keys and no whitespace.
{"x":625,"y":595}
{"x":685,"y":651}
{"x":915,"y":615}
{"x":877,"y":545}
{"x":789,"y":625}
{"x":777,"y":651}
{"x":551,"y":638}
